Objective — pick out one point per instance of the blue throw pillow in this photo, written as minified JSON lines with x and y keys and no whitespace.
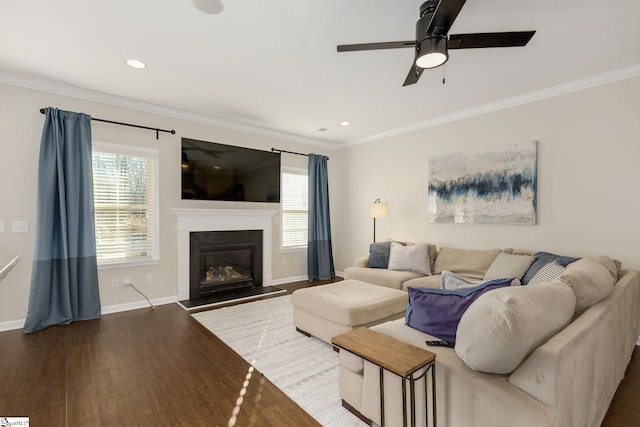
{"x":437,"y":312}
{"x":542,"y":259}
{"x":379,"y":254}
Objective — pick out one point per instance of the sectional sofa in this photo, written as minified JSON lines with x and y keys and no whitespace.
{"x":550,"y":352}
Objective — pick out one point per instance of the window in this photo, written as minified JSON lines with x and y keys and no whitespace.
{"x":295,"y":210}
{"x":125,"y":203}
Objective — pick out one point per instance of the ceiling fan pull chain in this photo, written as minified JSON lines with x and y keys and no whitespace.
{"x":443,"y":73}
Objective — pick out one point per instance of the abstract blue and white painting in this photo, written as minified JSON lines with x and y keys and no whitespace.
{"x":491,"y":186}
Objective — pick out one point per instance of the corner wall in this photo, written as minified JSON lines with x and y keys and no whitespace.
{"x":588,"y":177}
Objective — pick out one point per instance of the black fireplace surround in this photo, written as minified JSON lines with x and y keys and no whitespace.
{"x":224,"y":261}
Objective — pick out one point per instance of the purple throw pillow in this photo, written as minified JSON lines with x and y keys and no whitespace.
{"x":437,"y":312}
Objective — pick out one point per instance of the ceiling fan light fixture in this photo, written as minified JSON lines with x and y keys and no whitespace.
{"x":432,"y":52}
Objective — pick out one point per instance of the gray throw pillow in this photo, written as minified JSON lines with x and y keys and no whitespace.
{"x":410,"y":258}
{"x":452,"y":281}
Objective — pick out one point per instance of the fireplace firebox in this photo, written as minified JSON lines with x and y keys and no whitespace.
{"x":224,"y":261}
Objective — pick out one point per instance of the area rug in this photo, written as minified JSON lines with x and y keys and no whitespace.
{"x":304,"y":368}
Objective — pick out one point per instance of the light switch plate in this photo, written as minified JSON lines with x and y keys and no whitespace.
{"x":20,"y":226}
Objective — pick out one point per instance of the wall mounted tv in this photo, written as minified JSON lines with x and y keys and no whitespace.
{"x":212,"y":171}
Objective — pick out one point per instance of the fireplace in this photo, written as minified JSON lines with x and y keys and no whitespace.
{"x":205,"y":220}
{"x":222,"y":261}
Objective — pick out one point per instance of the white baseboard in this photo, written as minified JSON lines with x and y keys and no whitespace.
{"x":638,"y":342}
{"x":276,"y":282}
{"x":110,"y":309}
{"x":10,"y":326}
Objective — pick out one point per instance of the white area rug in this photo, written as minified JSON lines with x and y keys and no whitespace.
{"x":304,"y":368}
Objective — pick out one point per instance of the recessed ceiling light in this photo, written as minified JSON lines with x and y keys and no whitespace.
{"x":345,"y":123}
{"x":136,"y":64}
{"x":210,"y":7}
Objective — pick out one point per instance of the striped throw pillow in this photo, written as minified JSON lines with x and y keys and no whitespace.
{"x":547,"y":273}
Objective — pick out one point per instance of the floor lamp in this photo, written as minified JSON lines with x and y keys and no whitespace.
{"x":378,"y":210}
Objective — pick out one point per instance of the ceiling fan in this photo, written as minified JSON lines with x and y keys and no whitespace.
{"x":432,"y":41}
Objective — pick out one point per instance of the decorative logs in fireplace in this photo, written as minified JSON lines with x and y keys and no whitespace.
{"x":224,"y":261}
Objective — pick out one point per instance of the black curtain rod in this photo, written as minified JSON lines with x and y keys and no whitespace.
{"x":291,"y":152}
{"x":172,"y":132}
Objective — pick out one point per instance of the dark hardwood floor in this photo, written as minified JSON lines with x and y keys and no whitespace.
{"x":162,"y":368}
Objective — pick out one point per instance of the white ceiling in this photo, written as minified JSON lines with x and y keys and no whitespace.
{"x":272,"y":66}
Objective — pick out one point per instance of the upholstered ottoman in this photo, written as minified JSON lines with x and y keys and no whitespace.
{"x":329,"y":310}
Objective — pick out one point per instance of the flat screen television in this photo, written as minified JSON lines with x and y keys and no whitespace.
{"x":212,"y":171}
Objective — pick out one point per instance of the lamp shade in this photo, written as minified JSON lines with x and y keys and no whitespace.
{"x":379,"y":209}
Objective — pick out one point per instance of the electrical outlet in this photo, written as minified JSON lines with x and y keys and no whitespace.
{"x":149,"y":279}
{"x":126,"y":281}
{"x":20,"y":226}
{"x":115,"y":282}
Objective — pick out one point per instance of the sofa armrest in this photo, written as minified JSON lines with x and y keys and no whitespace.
{"x":578,"y":370}
{"x":361,"y":261}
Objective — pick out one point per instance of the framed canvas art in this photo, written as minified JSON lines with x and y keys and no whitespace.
{"x":491,"y":186}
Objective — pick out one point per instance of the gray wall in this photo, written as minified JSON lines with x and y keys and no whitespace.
{"x":588,"y":177}
{"x":589,"y":146}
{"x":21,"y":124}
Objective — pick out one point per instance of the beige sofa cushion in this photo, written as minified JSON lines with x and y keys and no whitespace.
{"x":433,"y":253}
{"x":380,"y":276}
{"x":465,"y":262}
{"x":592,"y":280}
{"x":509,"y":265}
{"x":361,"y":261}
{"x":433,"y":281}
{"x":501,"y":328}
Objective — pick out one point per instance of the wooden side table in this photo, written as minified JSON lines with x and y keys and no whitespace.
{"x":397,"y":357}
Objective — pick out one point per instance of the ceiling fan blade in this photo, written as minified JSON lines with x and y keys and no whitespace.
{"x":375,"y":46}
{"x":443,"y":17}
{"x":480,"y":40}
{"x":413,"y":76}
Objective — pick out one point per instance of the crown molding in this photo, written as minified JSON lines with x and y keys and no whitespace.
{"x":598,"y":80}
{"x":117,"y":101}
{"x":76,"y":92}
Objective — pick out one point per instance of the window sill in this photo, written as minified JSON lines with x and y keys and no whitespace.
{"x":291,"y":250}
{"x":127,"y":264}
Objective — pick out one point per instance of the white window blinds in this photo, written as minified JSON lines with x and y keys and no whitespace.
{"x":125,"y":202}
{"x":295,"y":190}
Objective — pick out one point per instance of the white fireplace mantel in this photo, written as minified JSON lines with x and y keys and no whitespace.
{"x":189,"y":220}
